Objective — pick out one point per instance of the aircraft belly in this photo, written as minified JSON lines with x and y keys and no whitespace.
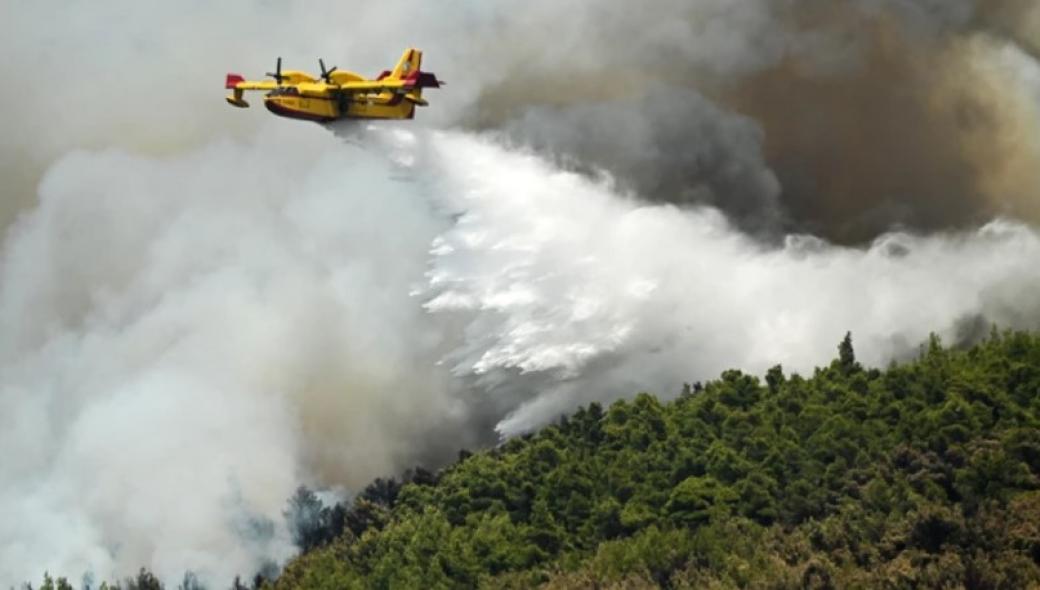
{"x":308,"y":109}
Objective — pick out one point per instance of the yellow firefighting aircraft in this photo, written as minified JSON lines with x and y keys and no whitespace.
{"x":341,"y":95}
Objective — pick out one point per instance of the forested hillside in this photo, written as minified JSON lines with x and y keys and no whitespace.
{"x":924,"y":475}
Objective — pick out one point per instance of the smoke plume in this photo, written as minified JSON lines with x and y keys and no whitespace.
{"x":870,"y":114}
{"x":202,"y":308}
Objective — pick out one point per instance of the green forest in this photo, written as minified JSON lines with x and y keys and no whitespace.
{"x":922,"y":475}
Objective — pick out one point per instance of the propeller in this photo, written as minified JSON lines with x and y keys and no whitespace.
{"x":326,"y":73}
{"x":277,"y":75}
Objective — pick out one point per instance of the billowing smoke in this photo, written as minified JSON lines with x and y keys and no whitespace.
{"x":202,"y":308}
{"x":869,"y":113}
{"x":180,"y":348}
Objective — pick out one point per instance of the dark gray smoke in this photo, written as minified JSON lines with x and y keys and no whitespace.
{"x":647,"y":143}
{"x":870,"y":114}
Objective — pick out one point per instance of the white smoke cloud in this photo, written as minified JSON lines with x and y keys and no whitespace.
{"x":178,"y":334}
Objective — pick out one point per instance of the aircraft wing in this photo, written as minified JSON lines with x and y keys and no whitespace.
{"x":373,"y":86}
{"x":315,"y":89}
{"x":239,"y":84}
{"x":236,"y":82}
{"x":417,"y":80}
{"x":256,"y":85}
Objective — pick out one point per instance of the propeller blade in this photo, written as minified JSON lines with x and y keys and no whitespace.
{"x":277,"y":75}
{"x":326,"y":73}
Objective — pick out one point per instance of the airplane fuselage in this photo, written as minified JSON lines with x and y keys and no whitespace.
{"x":285,"y":102}
{"x":338,"y":94}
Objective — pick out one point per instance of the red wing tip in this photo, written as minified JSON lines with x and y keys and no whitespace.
{"x":233,"y":80}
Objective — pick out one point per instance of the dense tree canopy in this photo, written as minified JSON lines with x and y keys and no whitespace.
{"x":922,"y":475}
